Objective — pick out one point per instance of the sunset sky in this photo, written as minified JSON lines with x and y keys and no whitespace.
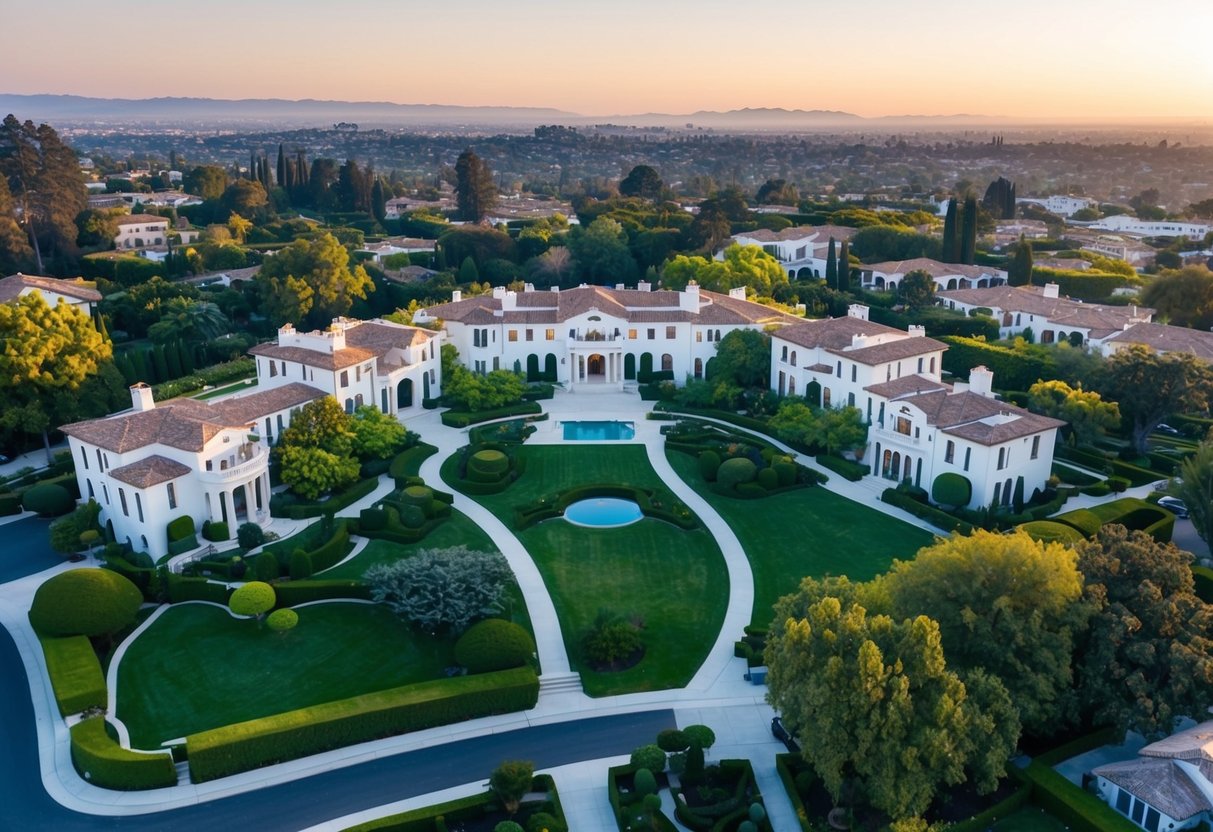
{"x":1024,"y":58}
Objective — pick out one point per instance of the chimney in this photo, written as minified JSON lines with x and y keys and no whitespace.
{"x":644,"y":286}
{"x":917,"y":331}
{"x":509,"y":301}
{"x":456,"y":295}
{"x":141,"y":397}
{"x":688,"y":298}
{"x":857,"y":310}
{"x":528,"y":287}
{"x":498,"y":292}
{"x":618,"y":287}
{"x":858,"y":342}
{"x":1051,"y":290}
{"x":737,"y":293}
{"x":981,"y":381}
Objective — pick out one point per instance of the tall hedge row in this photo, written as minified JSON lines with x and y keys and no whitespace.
{"x":75,"y":673}
{"x":1012,"y":370}
{"x":288,"y":736}
{"x":104,"y":763}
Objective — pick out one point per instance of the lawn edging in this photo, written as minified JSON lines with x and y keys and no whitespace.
{"x":460,"y":809}
{"x":221,"y":752}
{"x":647,"y":498}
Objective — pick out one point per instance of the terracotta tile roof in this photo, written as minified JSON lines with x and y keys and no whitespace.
{"x":931,"y":267}
{"x":815,"y":233}
{"x":141,"y":219}
{"x":1195,"y":743}
{"x":820,"y":368}
{"x":380,"y":337}
{"x":185,"y":424}
{"x":906,"y":347}
{"x":976,"y":417}
{"x":1164,"y":338}
{"x":833,"y":333}
{"x":906,"y":386}
{"x":250,"y":408}
{"x":1100,"y":319}
{"x":1160,"y":783}
{"x":338,"y":360}
{"x":12,"y":286}
{"x":149,"y":471}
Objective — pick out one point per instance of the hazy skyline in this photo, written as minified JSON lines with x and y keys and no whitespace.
{"x":1072,"y":59}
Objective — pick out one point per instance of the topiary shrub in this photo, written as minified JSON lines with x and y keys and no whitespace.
{"x":709,"y":464}
{"x":768,"y":479}
{"x":510,"y":781}
{"x":412,"y":517}
{"x":1048,"y":531}
{"x":672,"y":739}
{"x":180,"y":529}
{"x":372,"y":519}
{"x":649,"y":757}
{"x":494,"y":644}
{"x":216,"y":532}
{"x":952,"y":489}
{"x":757,"y":813}
{"x":701,"y":736}
{"x":785,"y":471}
{"x":254,"y":599}
{"x":734,"y":472}
{"x":417,"y":495}
{"x":85,"y":602}
{"x":265,"y":567}
{"x":487,"y":465}
{"x":48,"y":500}
{"x":508,"y":826}
{"x":282,"y":620}
{"x":301,"y":565}
{"x":644,"y":782}
{"x":544,"y":822}
{"x":250,"y":535}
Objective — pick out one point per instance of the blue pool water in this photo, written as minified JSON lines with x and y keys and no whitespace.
{"x":603,"y":513}
{"x":599,"y":431}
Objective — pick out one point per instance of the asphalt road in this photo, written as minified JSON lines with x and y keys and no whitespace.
{"x":25,"y":549}
{"x":26,"y":807}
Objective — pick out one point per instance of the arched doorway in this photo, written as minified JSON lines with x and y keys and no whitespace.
{"x":812,"y":393}
{"x":404,"y":394}
{"x":595,"y":367}
{"x":646,"y":367}
{"x":698,"y":368}
{"x":532,"y":367}
{"x":549,"y":367}
{"x":629,"y":367}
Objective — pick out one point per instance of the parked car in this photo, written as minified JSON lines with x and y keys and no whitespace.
{"x":1167,"y":429}
{"x":784,"y":735}
{"x":1174,"y":505}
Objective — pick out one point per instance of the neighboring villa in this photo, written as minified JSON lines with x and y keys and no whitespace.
{"x":396,"y":245}
{"x":595,"y":337}
{"x":137,"y":231}
{"x":1125,"y":224}
{"x":1168,"y":787}
{"x":1163,"y":338}
{"x":802,"y":250}
{"x":1064,"y":206}
{"x":921,"y":427}
{"x":1049,"y":316}
{"x":887,"y":276}
{"x":154,"y":463}
{"x":53,"y":291}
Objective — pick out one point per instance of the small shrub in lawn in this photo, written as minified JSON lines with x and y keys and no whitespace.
{"x":48,"y":500}
{"x":611,"y":639}
{"x":510,"y":781}
{"x":250,"y":535}
{"x":644,"y":782}
{"x":255,"y":598}
{"x":768,"y":479}
{"x":301,"y":565}
{"x":709,"y":464}
{"x":85,"y":602}
{"x":701,"y":736}
{"x":672,"y":739}
{"x":282,"y":620}
{"x":265,"y":567}
{"x":494,"y":644}
{"x":649,"y":757}
{"x":734,"y":472}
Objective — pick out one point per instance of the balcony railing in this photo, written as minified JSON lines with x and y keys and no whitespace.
{"x":596,"y":336}
{"x":250,"y":457}
{"x":894,"y":436}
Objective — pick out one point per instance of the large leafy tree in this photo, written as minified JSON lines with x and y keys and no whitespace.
{"x":310,"y":282}
{"x":1148,"y":657}
{"x":188,"y":320}
{"x":443,"y":590}
{"x":643,"y":181}
{"x":741,"y":266}
{"x":316,"y":451}
{"x":917,"y":289}
{"x":1088,"y":415}
{"x":206,"y":181}
{"x":743,"y":357}
{"x":1150,"y":387}
{"x":1007,"y":605}
{"x":1195,"y":488}
{"x":43,"y":177}
{"x":377,"y":435}
{"x":475,"y":191}
{"x":884,"y":710}
{"x":44,"y":352}
{"x":601,"y":252}
{"x":246,"y":197}
{"x":311,"y":472}
{"x":1183,"y":297}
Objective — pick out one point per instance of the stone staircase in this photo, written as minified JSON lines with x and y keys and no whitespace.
{"x":560,"y":683}
{"x":183,"y":772}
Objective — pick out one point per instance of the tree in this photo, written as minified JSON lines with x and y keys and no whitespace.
{"x":951,"y":242}
{"x":601,"y":252}
{"x":239,"y":226}
{"x":1019,"y":270}
{"x":1150,"y":387}
{"x":98,"y":227}
{"x":377,"y":435}
{"x":85,"y":602}
{"x":642,"y":181}
{"x":741,"y":266}
{"x":840,"y":429}
{"x":66,"y":531}
{"x":475,"y":191}
{"x":743,"y":357}
{"x":917,"y":289}
{"x":879,"y":701}
{"x":1195,"y":488}
{"x":253,"y":599}
{"x":245,"y":197}
{"x":968,"y":231}
{"x":45,"y":184}
{"x":844,"y":268}
{"x":320,"y":424}
{"x":794,"y":423}
{"x":468,"y":273}
{"x":999,"y":199}
{"x":206,"y":181}
{"x":1006,"y":605}
{"x":831,"y":266}
{"x":310,"y":282}
{"x":311,"y":472}
{"x":777,"y":192}
{"x":378,"y":201}
{"x":510,"y":781}
{"x":1183,"y":297}
{"x":280,"y":621}
{"x":46,"y":352}
{"x":1088,"y":415}
{"x":188,"y":320}
{"x":1148,"y":657}
{"x":442,"y":590}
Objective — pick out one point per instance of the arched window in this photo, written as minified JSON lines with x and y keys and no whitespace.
{"x":825,"y":397}
{"x":698,"y":368}
{"x":791,"y":385}
{"x":949,"y":454}
{"x":932,"y":365}
{"x":349,"y":405}
{"x":783,"y":356}
{"x":667,"y":362}
{"x":793,"y":358}
{"x":358,"y":400}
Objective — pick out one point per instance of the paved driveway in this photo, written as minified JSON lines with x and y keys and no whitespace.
{"x":25,"y":548}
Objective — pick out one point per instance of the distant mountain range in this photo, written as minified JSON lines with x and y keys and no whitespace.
{"x":314,"y":113}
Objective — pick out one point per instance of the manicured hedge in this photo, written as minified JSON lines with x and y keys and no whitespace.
{"x":1203,"y":576}
{"x":783,"y":767}
{"x":1078,"y":809}
{"x":332,"y":551}
{"x":294,"y":593}
{"x":987,"y":819}
{"x":494,"y":644}
{"x":554,"y":506}
{"x":1012,"y":370}
{"x":1080,"y":745}
{"x":1072,"y":476}
{"x":180,"y":528}
{"x":1082,"y":519}
{"x":729,"y":416}
{"x":104,"y":763}
{"x":1049,"y":531}
{"x":431,"y":818}
{"x":620,"y":802}
{"x":729,"y":812}
{"x":937,"y":518}
{"x":75,"y":673}
{"x":288,"y":736}
{"x":407,"y":463}
{"x":10,"y":504}
{"x":1083,"y":285}
{"x":849,"y":470}
{"x":48,"y":500}
{"x":181,"y":588}
{"x":185,"y":544}
{"x":217,"y":532}
{"x":461,"y":419}
{"x":336,"y":502}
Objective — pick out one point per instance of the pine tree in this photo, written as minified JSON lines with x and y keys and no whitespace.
{"x":1019,"y":270}
{"x":831,"y":266}
{"x":968,"y":231}
{"x":951,"y":250}
{"x":474,"y":187}
{"x":844,"y":268}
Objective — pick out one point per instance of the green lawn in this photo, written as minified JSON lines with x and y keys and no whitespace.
{"x":1029,"y":819}
{"x":672,"y":580}
{"x":239,"y":386}
{"x":198,"y":668}
{"x":807,"y":532}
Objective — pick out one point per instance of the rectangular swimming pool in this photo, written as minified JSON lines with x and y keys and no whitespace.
{"x":599,"y":431}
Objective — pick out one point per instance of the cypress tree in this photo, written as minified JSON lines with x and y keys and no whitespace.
{"x":125,"y":366}
{"x":844,"y":268}
{"x":159,"y":363}
{"x":187,"y":358}
{"x":1019,"y":270}
{"x":252,"y":166}
{"x":968,"y":231}
{"x":378,"y":200}
{"x":282,"y":177}
{"x":831,"y":266}
{"x":172,"y":359}
{"x":950,"y":249}
{"x":303,"y":169}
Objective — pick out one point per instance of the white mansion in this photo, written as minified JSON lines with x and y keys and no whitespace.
{"x":154,"y":463}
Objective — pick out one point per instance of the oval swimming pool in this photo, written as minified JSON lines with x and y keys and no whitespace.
{"x":603,"y":513}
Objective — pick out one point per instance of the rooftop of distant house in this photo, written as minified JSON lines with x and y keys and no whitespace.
{"x":13,"y":286}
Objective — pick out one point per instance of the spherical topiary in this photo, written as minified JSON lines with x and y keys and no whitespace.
{"x":254,"y":598}
{"x":417,"y":495}
{"x":733,"y":472}
{"x":644,"y":781}
{"x":952,"y":489}
{"x":85,"y":602}
{"x":650,"y":757}
{"x":250,"y":535}
{"x":700,"y":735}
{"x":768,"y":479}
{"x":709,"y":464}
{"x":412,"y":517}
{"x":747,"y":826}
{"x":757,"y":812}
{"x":265,"y":567}
{"x":282,"y":620}
{"x":48,"y":500}
{"x":544,"y":822}
{"x":785,"y":471}
{"x":671,"y":739}
{"x":494,"y":644}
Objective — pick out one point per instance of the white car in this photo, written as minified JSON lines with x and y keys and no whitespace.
{"x":1174,"y":505}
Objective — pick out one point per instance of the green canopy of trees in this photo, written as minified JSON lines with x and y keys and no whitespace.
{"x":310,"y":282}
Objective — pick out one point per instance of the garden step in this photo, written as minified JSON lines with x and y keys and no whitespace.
{"x":183,"y":772}
{"x":560,"y":683}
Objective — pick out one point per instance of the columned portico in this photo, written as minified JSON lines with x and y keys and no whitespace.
{"x":596,"y":365}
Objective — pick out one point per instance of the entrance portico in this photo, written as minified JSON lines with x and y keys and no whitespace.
{"x":596,"y":365}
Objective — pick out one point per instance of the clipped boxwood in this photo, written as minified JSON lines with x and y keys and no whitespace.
{"x":294,"y":593}
{"x":734,"y":472}
{"x":75,"y":673}
{"x":847,"y":469}
{"x":417,"y":495}
{"x":952,"y":489}
{"x":182,"y":588}
{"x":102,"y":762}
{"x":1077,"y":808}
{"x":937,"y":518}
{"x":216,"y":532}
{"x":488,"y":465}
{"x":48,"y":500}
{"x":768,"y":479}
{"x":288,"y":736}
{"x":1048,"y":531}
{"x":372,"y":519}
{"x":709,"y":464}
{"x":494,"y":644}
{"x":1085,"y":520}
{"x":461,"y":419}
{"x":332,"y":551}
{"x":1203,"y":578}
{"x":408,"y":462}
{"x":84,"y":602}
{"x":180,"y":528}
